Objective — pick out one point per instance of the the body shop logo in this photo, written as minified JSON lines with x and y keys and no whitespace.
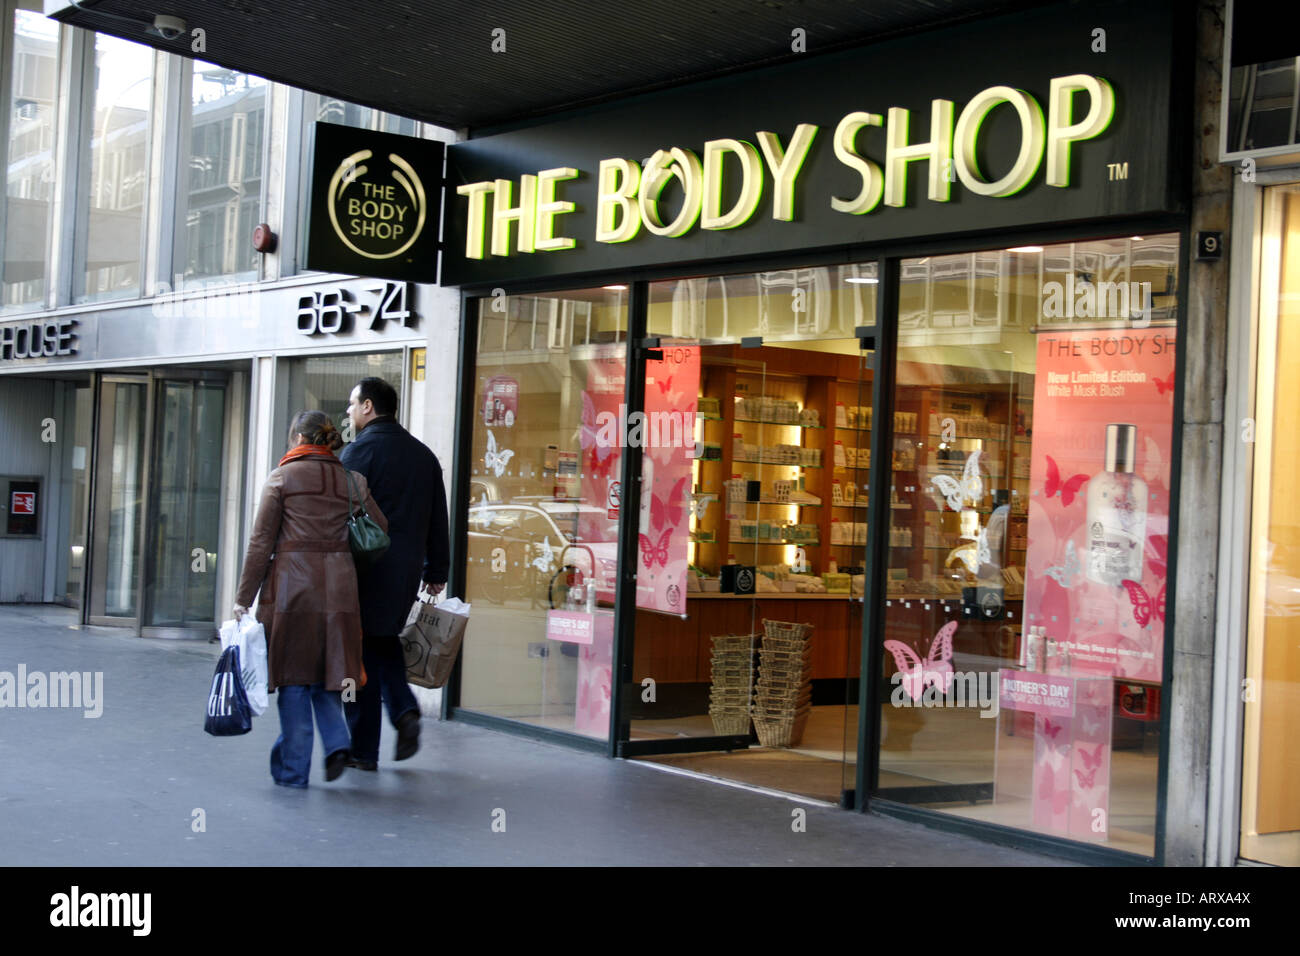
{"x":377,"y":204}
{"x":374,"y":204}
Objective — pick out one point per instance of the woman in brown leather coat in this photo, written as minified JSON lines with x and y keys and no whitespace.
{"x":299,"y":558}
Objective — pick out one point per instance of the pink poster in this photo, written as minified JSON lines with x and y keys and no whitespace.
{"x":1102,"y":427}
{"x":667,"y":434}
{"x":601,"y":456}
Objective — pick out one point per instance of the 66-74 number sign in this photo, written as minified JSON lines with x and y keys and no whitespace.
{"x":330,"y":310}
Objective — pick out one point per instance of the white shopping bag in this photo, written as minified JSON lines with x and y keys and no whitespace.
{"x":250,"y":637}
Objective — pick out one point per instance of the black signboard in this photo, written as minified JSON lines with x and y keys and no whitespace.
{"x":1055,"y":115}
{"x":22,"y":503}
{"x":375,"y":204}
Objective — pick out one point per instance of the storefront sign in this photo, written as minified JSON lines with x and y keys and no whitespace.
{"x":921,"y":136}
{"x":44,"y":339}
{"x":1043,"y":694}
{"x":1099,"y":497}
{"x":375,"y":204}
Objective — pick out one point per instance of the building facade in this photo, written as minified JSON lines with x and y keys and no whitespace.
{"x":150,"y":357}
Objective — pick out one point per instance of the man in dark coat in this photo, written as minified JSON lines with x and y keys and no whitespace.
{"x":406,"y":480}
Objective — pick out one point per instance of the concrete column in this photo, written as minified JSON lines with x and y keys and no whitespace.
{"x":1204,"y":382}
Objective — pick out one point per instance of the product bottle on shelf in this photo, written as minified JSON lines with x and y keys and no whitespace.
{"x":1117,"y":512}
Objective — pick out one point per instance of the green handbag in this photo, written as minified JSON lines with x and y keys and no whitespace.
{"x":366,"y":539}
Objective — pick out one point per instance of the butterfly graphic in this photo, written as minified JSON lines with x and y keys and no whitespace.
{"x":1144,"y":606}
{"x":1090,"y":727}
{"x":1158,"y":553}
{"x":651,"y":553}
{"x":1068,"y":488}
{"x":673,"y":399}
{"x":496,"y":460}
{"x":935,"y":669}
{"x":700,"y":504}
{"x":1165,"y":386}
{"x":1051,"y":729}
{"x":667,"y":512}
{"x":1058,"y":800}
{"x":1087,"y":780}
{"x":601,"y":448}
{"x":1091,"y":761}
{"x":974,"y":554}
{"x":545,"y":559}
{"x":1064,"y":574}
{"x":969,"y":488}
{"x":1155,"y":463}
{"x":1047,"y":754}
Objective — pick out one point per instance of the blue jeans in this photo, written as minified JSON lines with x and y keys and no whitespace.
{"x":291,"y":755}
{"x":386,"y":679}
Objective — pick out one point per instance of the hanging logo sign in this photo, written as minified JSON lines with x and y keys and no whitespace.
{"x":375,"y":204}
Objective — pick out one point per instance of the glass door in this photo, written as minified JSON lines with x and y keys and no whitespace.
{"x":756,"y":678}
{"x":185,"y":505}
{"x":119,"y":500}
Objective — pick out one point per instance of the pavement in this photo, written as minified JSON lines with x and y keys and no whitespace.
{"x":143,"y":785}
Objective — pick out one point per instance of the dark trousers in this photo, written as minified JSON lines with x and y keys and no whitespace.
{"x":386,"y":678}
{"x":291,"y":755}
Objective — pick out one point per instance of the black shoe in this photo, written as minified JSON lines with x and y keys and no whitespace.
{"x":356,"y":763}
{"x":335,"y":763}
{"x":408,"y":735}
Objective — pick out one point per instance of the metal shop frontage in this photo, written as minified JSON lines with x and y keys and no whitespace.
{"x":136,"y":439}
{"x":816,"y":426}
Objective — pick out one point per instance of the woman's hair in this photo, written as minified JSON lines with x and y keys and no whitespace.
{"x":317,"y":428}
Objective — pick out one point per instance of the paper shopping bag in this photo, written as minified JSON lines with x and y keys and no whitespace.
{"x":431,"y":640}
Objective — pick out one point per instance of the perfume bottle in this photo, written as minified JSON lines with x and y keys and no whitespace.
{"x":1117,"y":512}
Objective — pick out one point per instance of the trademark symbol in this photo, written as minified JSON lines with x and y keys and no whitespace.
{"x":1117,"y":170}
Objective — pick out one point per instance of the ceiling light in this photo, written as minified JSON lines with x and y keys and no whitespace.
{"x":856,"y":280}
{"x":615,"y":288}
{"x":1025,"y":249}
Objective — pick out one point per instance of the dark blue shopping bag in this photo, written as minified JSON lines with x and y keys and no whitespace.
{"x":228,"y":712}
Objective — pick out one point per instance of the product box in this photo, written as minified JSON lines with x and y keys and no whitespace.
{"x":737,"y":579}
{"x":836,"y":583}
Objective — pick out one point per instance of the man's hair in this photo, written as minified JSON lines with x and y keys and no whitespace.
{"x":381,"y":395}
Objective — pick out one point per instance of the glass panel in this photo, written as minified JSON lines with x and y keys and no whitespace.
{"x":325,"y":384}
{"x":543,"y":521}
{"x":29,"y":173}
{"x":1270,"y":812}
{"x":76,"y":471}
{"x":770,"y":642}
{"x":1028,"y":550}
{"x":186,"y":505}
{"x":170,"y":527}
{"x":125,"y":408}
{"x":117,"y":182}
{"x":222,"y":199}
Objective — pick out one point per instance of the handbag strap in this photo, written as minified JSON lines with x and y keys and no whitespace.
{"x":352,"y":509}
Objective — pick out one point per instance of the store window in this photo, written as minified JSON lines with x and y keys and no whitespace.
{"x":542,"y":546}
{"x":29,"y":158}
{"x":1270,"y":812}
{"x":117,"y":172}
{"x":221,"y":190}
{"x":1026,"y":583}
{"x":325,"y":383}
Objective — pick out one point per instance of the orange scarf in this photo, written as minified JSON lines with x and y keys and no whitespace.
{"x":299,"y":451}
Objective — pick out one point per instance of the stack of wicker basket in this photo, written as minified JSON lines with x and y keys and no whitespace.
{"x":733,"y":683}
{"x":784,"y":697}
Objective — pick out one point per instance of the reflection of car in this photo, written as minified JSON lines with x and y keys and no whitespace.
{"x":524,"y":545}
